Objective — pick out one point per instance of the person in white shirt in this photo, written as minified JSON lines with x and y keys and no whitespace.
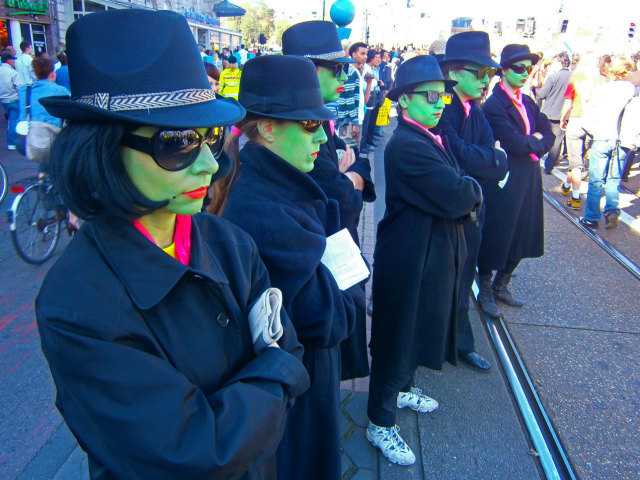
{"x":23,"y":64}
{"x":9,"y":84}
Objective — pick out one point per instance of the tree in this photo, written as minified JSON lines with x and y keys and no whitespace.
{"x":257,"y":20}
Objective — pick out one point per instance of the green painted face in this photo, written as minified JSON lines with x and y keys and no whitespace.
{"x":418,"y":109}
{"x":469,"y":87}
{"x":181,"y":188}
{"x":516,"y":80}
{"x":292,"y":143}
{"x":330,"y":85}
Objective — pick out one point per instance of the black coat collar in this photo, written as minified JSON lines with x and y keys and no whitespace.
{"x":146,"y":271}
{"x":263,"y":163}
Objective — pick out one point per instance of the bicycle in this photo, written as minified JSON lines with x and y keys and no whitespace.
{"x":3,"y":183}
{"x":36,"y":218}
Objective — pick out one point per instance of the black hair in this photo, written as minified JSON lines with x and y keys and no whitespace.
{"x":24,"y":45}
{"x":371,"y":54}
{"x":86,"y":166}
{"x":354,"y":48}
{"x":564,"y":60}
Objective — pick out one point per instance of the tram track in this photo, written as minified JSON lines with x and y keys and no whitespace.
{"x":627,"y":263}
{"x":553,"y":458}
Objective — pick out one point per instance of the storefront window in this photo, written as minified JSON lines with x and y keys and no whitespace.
{"x":82,"y":7}
{"x":4,"y":33}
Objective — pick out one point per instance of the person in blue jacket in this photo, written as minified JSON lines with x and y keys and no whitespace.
{"x":289,"y":216}
{"x":145,"y":320}
{"x":346,"y":179}
{"x":467,"y":60}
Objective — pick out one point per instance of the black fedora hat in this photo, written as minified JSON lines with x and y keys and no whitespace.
{"x":282,"y":86}
{"x":469,"y":47}
{"x":317,"y":40}
{"x":513,"y":53}
{"x":121,"y":69}
{"x":420,"y":69}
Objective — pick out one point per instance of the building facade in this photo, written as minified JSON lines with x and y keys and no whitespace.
{"x":45,"y":22}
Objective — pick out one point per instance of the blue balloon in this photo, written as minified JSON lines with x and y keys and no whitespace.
{"x":342,"y":12}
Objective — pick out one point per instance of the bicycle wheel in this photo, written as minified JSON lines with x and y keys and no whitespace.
{"x":3,"y":183}
{"x":34,"y":226}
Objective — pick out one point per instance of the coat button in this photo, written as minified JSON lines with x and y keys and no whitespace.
{"x":223,"y":319}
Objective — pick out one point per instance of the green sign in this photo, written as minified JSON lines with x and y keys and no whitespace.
{"x":30,"y":6}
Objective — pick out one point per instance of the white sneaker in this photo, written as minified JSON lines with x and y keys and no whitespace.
{"x":415,"y":400}
{"x":390,"y":444}
{"x":11,"y":147}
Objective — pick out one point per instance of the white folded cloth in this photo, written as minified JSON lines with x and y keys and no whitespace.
{"x":264,"y":319}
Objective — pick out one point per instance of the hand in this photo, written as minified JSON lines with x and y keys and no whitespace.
{"x":538,"y":135}
{"x":355,"y":131}
{"x":358,"y":182}
{"x":499,"y":147}
{"x":348,"y":157}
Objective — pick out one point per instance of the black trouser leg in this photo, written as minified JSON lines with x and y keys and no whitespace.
{"x":383,"y":394}
{"x":464,"y":332}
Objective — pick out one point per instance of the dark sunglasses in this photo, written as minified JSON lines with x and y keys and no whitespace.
{"x":482,"y":72}
{"x":175,"y":150}
{"x":433,"y":96}
{"x":520,"y":69}
{"x":337,"y":68}
{"x":310,"y":126}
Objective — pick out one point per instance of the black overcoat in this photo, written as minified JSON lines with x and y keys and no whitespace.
{"x":473,"y":145}
{"x":153,"y":360}
{"x":419,"y":252}
{"x":289,"y":217}
{"x":337,"y":186}
{"x":514,"y":222}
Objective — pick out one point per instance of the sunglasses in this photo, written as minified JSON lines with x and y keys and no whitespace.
{"x":520,"y":69}
{"x":433,"y":96}
{"x":482,"y":72}
{"x":175,"y":150}
{"x":310,"y":126}
{"x":336,"y":68}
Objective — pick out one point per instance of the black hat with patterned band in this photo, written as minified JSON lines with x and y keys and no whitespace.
{"x":317,"y":40}
{"x":121,"y":69}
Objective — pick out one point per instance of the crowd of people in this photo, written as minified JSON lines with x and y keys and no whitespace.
{"x":211,"y":344}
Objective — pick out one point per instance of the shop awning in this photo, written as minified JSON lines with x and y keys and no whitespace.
{"x":228,"y":9}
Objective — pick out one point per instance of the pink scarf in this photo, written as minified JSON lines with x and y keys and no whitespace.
{"x":467,"y":108}
{"x":332,"y":126}
{"x":437,"y":138}
{"x":522,"y":110}
{"x":181,"y":237}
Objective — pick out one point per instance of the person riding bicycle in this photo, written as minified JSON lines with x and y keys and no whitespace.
{"x":151,"y":320}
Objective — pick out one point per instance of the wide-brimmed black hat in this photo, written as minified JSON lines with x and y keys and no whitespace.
{"x":420,"y":69}
{"x":513,"y":53}
{"x":122,"y":68}
{"x":469,"y":47}
{"x":317,"y":40}
{"x":282,"y":86}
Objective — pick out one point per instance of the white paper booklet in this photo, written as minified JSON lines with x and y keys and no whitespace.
{"x":342,"y":258}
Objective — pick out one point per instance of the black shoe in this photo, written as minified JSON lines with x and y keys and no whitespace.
{"x":364,"y":150}
{"x":589,"y":223}
{"x":547,"y":172}
{"x":370,"y":308}
{"x":611,"y":219}
{"x":476,"y":362}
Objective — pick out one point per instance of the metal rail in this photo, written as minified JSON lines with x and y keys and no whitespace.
{"x":614,"y":252}
{"x":554,"y":461}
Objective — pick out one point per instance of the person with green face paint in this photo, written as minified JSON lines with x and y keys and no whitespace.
{"x":344,"y":179}
{"x":468,"y":61}
{"x":146,"y":319}
{"x":420,"y":240}
{"x":514,"y":225}
{"x":289,"y":216}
